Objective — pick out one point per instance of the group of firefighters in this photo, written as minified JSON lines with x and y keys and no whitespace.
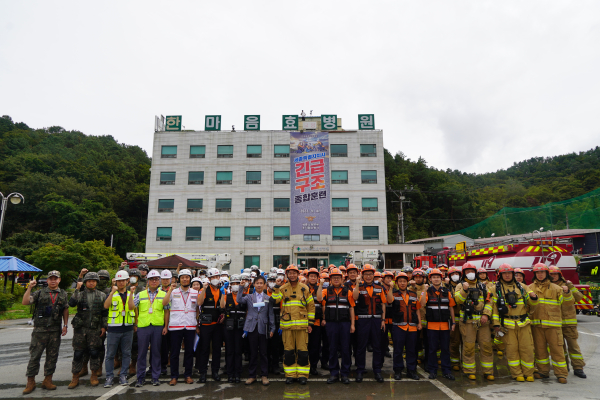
{"x":435,"y":317}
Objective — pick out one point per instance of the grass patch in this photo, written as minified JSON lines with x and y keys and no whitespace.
{"x":17,"y":311}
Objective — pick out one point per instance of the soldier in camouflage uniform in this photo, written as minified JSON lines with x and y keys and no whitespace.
{"x":143,"y":268}
{"x":89,"y":324}
{"x":103,"y":286}
{"x":51,"y":311}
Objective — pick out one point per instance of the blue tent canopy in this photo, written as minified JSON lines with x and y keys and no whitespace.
{"x":13,"y":264}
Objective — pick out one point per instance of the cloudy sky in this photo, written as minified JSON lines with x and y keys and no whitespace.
{"x":468,"y":85}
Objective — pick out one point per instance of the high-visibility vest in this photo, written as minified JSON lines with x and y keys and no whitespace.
{"x":183,"y":310}
{"x":119,"y":312}
{"x":157,"y":317}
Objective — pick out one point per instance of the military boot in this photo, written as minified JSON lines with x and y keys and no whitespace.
{"x":30,"y":385}
{"x":94,"y":378}
{"x":84,"y":371}
{"x":47,"y":384}
{"x":74,"y":382}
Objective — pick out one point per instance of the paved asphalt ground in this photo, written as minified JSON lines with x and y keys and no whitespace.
{"x":14,"y":355}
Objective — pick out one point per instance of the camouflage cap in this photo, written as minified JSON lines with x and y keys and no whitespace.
{"x":54,"y":273}
{"x":91,"y":276}
{"x":104,"y":274}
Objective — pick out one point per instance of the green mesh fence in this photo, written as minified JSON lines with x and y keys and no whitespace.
{"x":581,"y":212}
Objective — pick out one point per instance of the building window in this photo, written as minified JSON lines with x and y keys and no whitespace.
{"x":368,"y":176}
{"x":224,"y":177}
{"x":254,"y":151}
{"x":312,"y":238}
{"x":164,"y":234}
{"x":282,"y":177}
{"x":197,"y":151}
{"x":251,"y":260}
{"x":252,"y":233}
{"x":166,"y":205}
{"x":223,"y":205}
{"x":193,"y":233}
{"x":282,"y":150}
{"x":369,"y":204}
{"x":370,"y":233}
{"x":253,"y":177}
{"x":339,"y":205}
{"x":281,"y":233}
{"x":167,"y":178}
{"x":194,"y":205}
{"x":281,"y":261}
{"x":224,"y":151}
{"x":281,"y":205}
{"x":252,"y":205}
{"x":340,"y":232}
{"x":368,"y":150}
{"x":339,"y":150}
{"x":196,"y":178}
{"x":223,"y":233}
{"x":339,"y":176}
{"x":168,"y":152}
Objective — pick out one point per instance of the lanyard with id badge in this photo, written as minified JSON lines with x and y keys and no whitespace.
{"x":150,"y":309}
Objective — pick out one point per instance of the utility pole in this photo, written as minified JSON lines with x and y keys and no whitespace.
{"x":401,"y":197}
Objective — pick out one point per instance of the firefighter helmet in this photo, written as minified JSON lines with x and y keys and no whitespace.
{"x":436,"y":271}
{"x":349,"y":267}
{"x":334,"y":272}
{"x":505,"y":268}
{"x":468,"y":265}
{"x":402,"y":275}
{"x":312,"y":271}
{"x":291,"y":267}
{"x":540,"y":267}
{"x":418,"y":272}
{"x":453,"y":270}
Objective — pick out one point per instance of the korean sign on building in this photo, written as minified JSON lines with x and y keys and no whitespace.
{"x":252,"y":122}
{"x":212,"y":122}
{"x":329,"y":122}
{"x":366,"y":122}
{"x":173,"y":123}
{"x":310,"y":211}
{"x":290,"y":123}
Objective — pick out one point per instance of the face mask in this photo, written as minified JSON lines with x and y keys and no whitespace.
{"x":271,"y":284}
{"x":215,"y":282}
{"x":455,"y":278}
{"x":133,"y":279}
{"x":235,"y":288}
{"x":471,"y":276}
{"x":325,"y":284}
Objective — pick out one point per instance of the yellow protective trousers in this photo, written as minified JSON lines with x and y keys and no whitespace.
{"x":519,"y":351}
{"x":549,"y":338}
{"x":472,"y":333}
{"x":571,"y":346}
{"x":295,"y":353}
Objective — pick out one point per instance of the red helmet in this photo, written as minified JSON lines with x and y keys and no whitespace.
{"x":368,"y":267}
{"x":468,"y":265}
{"x":377,"y":274}
{"x":443,"y":267}
{"x":402,"y":275}
{"x":481,"y":270}
{"x":554,"y":270}
{"x":291,"y":267}
{"x":519,"y":271}
{"x":418,"y":272}
{"x":540,"y":267}
{"x":435,"y":271}
{"x":312,"y":271}
{"x":454,"y":269}
{"x":334,"y":272}
{"x":505,"y":268}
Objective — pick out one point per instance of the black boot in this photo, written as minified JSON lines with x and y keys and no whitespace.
{"x":450,"y":377}
{"x":359,"y":377}
{"x":388,"y":354}
{"x":345,"y":380}
{"x":580,"y":373}
{"x":412,"y":375}
{"x":369,"y":348}
{"x":433,"y":375}
{"x":289,"y":380}
{"x":237,"y":379}
{"x":202,"y":378}
{"x":333,"y":379}
{"x":216,"y":377}
{"x":314,"y":372}
{"x":378,"y":377}
{"x":230,"y":379}
{"x":398,"y":376}
{"x":302,"y":380}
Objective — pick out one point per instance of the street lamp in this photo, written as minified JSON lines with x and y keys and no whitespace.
{"x":15,"y":198}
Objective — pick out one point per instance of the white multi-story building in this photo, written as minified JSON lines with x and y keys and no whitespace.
{"x":229,"y":192}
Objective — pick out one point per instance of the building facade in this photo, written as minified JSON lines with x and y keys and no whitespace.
{"x":229,"y":192}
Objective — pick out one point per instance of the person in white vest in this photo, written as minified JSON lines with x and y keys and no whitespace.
{"x":120,"y":328}
{"x":182,"y":324}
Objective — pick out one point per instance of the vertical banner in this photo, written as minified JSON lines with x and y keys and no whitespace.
{"x":309,"y":169}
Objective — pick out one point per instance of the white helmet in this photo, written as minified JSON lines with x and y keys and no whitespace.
{"x":224,"y":279}
{"x":224,"y":273}
{"x":272,"y":277}
{"x":280,"y":272}
{"x":245,"y":276}
{"x":121,"y":275}
{"x":254,"y":268}
{"x":212,"y":272}
{"x":185,"y":272}
{"x":204,"y":281}
{"x":196,"y":280}
{"x":252,"y":274}
{"x":166,"y":274}
{"x":153,"y":274}
{"x":236,"y":279}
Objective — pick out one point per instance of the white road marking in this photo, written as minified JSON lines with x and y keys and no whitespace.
{"x":449,"y":392}
{"x":117,"y":390}
{"x":591,"y":334}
